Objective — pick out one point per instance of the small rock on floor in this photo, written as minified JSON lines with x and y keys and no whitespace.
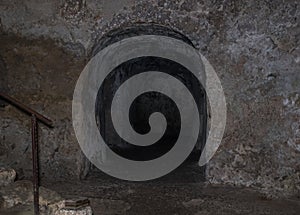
{"x":87,"y":210}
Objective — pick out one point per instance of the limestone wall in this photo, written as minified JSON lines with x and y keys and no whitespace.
{"x":253,"y":46}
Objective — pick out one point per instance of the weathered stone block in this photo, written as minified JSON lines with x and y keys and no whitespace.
{"x":7,"y":176}
{"x":87,"y":210}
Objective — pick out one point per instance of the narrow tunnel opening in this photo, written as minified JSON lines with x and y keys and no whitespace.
{"x":148,"y":103}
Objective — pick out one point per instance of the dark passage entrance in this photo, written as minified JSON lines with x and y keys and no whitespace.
{"x":147,"y":103}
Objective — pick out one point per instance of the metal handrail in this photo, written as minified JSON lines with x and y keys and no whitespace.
{"x":27,"y":110}
{"x":35,"y":117}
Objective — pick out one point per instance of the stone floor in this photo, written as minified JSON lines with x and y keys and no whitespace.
{"x":174,"y":194}
{"x":111,"y":196}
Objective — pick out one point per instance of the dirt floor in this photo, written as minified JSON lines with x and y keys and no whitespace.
{"x":179,"y":193}
{"x":110,"y":196}
{"x":155,"y":198}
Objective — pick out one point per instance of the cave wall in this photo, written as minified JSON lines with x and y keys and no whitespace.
{"x":253,"y":46}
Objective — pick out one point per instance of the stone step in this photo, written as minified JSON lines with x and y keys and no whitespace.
{"x":20,"y":194}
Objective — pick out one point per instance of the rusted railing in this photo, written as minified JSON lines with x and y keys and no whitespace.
{"x":35,"y":117}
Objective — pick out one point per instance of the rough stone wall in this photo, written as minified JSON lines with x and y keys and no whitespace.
{"x":253,"y":46}
{"x":42,"y":76}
